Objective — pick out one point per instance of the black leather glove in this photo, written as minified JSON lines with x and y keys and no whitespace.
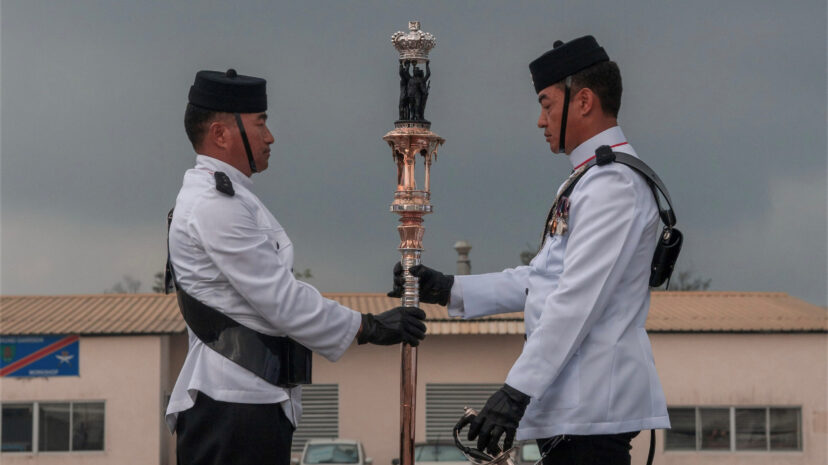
{"x":435,"y":287}
{"x":499,"y":416}
{"x":400,"y":324}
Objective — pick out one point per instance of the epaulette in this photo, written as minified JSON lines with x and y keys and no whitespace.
{"x":223,"y":184}
{"x":604,"y":155}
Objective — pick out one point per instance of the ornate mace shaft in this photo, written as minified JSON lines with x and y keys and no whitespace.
{"x":411,"y":137}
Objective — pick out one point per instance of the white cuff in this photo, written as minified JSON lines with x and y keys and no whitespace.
{"x":455,"y":303}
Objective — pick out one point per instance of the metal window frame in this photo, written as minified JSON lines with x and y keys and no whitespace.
{"x":695,"y":430}
{"x":34,"y":419}
{"x":799,"y":432}
{"x":72,"y":425}
{"x":732,"y":432}
{"x":731,"y":421}
{"x":36,"y":427}
{"x":767,"y":428}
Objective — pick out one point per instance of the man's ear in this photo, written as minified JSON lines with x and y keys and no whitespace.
{"x":219,"y":134}
{"x":586,"y":101}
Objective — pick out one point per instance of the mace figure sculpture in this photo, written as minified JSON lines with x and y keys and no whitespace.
{"x":411,"y":137}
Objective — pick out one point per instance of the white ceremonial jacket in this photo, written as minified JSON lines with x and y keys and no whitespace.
{"x":231,"y":254}
{"x":587,"y":362}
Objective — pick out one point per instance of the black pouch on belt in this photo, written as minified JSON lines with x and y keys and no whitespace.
{"x":665,"y":256}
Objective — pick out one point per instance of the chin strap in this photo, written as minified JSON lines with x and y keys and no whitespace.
{"x":246,"y":143}
{"x":564,"y":113}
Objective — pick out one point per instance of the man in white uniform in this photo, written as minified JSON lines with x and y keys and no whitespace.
{"x":586,"y":373}
{"x":251,"y":324}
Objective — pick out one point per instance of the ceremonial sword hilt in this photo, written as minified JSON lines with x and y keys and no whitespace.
{"x":478,"y":457}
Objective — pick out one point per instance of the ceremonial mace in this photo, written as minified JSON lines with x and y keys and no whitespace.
{"x":411,"y":136}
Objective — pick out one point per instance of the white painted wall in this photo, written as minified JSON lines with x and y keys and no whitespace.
{"x":695,"y":369}
{"x":745,"y":370}
{"x":131,"y":374}
{"x":122,"y":371}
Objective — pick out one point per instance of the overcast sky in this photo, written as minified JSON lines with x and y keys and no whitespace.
{"x":726,"y":100}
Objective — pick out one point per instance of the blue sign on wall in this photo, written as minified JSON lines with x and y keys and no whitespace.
{"x":30,"y":356}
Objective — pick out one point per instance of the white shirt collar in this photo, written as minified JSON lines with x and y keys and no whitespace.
{"x":211,"y":164}
{"x":586,"y":150}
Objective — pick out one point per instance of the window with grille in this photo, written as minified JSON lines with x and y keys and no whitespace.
{"x":53,"y":427}
{"x":445,"y":404}
{"x":18,"y":424}
{"x":734,"y":429}
{"x":320,"y":414}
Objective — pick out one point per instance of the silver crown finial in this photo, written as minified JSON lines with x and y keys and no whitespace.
{"x":414,"y":44}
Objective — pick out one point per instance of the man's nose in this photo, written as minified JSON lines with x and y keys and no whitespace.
{"x":541,"y":121}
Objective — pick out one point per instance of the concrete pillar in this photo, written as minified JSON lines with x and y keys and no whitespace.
{"x":463,"y":263}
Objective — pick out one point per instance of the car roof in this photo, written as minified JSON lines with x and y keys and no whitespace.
{"x":332,"y":441}
{"x":438,"y":442}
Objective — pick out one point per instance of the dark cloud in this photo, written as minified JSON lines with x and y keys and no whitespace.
{"x":727,"y":100}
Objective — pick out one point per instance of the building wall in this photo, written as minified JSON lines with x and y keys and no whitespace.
{"x":744,"y":370}
{"x":695,"y":369}
{"x":134,"y":374}
{"x":177,"y":352}
{"x":122,"y":371}
{"x":369,"y":383}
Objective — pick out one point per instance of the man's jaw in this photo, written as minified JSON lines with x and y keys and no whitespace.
{"x":553,"y":145}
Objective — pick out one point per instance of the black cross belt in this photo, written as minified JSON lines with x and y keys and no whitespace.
{"x":669,"y":243}
{"x":280,"y":361}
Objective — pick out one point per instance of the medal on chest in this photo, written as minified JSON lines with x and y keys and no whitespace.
{"x":558,"y":224}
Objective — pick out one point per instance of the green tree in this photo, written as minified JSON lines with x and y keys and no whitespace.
{"x":158,"y":282}
{"x":127,"y":285}
{"x":303,"y":274}
{"x":528,"y":254}
{"x":687,"y":280}
{"x":158,"y":279}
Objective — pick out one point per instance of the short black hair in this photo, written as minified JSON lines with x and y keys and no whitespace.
{"x":196,"y":120}
{"x":604,"y":79}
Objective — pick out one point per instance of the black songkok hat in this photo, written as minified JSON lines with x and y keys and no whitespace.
{"x":565,"y":59}
{"x":228,"y":92}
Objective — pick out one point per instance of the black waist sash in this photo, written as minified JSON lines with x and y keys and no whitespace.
{"x":280,"y":361}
